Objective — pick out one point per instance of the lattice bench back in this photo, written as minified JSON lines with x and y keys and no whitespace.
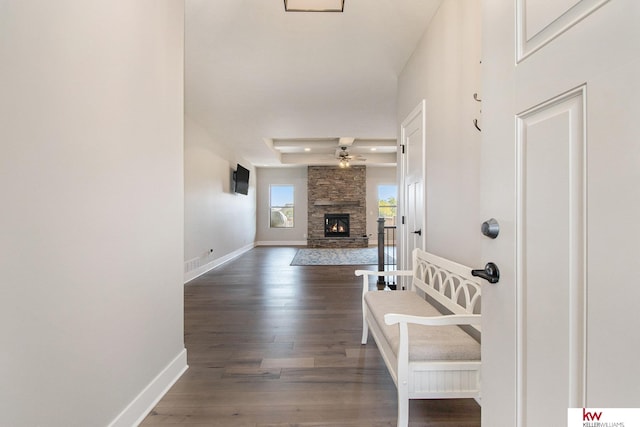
{"x":449,"y":283}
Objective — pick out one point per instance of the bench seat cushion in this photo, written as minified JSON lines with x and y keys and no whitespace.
{"x":428,"y":343}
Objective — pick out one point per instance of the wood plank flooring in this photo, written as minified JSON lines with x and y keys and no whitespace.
{"x":274,"y":345}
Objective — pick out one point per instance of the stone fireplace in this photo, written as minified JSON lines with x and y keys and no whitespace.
{"x":337,"y":198}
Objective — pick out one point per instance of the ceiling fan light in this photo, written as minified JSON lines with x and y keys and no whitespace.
{"x":314,"y":5}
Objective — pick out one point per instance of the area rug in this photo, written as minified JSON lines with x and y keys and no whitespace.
{"x":356,"y":256}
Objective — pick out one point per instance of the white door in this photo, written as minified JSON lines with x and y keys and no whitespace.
{"x":561,"y":171}
{"x":412,"y":172}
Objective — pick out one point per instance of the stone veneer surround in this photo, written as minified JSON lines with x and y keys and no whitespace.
{"x":332,"y":189}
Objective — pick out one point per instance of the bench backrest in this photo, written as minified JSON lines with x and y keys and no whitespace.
{"x":449,"y":283}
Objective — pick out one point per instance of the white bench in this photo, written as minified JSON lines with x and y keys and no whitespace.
{"x":426,"y":353}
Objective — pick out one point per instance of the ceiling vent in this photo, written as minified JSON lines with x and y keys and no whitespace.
{"x":314,"y":5}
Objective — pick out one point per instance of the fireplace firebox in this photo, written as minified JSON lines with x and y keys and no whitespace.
{"x":336,"y":225}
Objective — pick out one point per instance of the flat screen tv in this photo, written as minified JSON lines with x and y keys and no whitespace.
{"x":241,"y":180}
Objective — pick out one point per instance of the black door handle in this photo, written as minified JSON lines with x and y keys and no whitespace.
{"x":418,"y":232}
{"x":490,"y":273}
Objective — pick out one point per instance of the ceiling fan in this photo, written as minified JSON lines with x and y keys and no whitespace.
{"x":342,"y":154}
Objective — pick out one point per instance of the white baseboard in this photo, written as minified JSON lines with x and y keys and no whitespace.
{"x":199,"y":271}
{"x":148,"y":398}
{"x":282,"y":243}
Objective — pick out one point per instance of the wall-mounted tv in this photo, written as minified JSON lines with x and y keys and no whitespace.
{"x":241,"y":180}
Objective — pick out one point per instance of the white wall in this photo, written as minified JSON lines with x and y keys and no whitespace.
{"x":216,"y":218}
{"x":382,"y":175}
{"x":91,"y":224}
{"x":445,"y":70}
{"x":296,"y":176}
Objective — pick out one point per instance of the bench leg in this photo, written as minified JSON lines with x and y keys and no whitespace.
{"x":365,"y":329}
{"x":403,"y":407}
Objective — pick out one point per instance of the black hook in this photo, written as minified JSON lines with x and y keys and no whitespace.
{"x":475,"y":96}
{"x":475,"y":123}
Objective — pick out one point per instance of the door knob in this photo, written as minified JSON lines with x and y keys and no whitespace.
{"x":490,"y":273}
{"x":418,"y":232}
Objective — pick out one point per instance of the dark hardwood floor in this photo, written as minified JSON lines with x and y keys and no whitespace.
{"x":271,"y":344}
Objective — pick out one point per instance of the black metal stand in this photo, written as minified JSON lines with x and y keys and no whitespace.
{"x":381,"y":283}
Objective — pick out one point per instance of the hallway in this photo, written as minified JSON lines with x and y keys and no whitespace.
{"x":271,"y":344}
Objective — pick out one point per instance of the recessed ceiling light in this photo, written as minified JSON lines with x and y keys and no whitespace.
{"x":314,"y":5}
{"x":374,"y":149}
{"x":307,"y":149}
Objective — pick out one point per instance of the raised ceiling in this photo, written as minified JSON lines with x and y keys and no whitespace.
{"x":270,"y":83}
{"x":328,"y":151}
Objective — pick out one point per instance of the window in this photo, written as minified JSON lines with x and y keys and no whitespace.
{"x":281,"y":202}
{"x":388,"y":204}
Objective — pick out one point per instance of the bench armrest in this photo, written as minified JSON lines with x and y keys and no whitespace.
{"x":444,"y":320}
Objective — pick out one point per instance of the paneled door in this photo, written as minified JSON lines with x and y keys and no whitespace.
{"x":412,"y":172}
{"x":561,"y":174}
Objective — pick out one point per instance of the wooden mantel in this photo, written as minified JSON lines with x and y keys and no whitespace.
{"x":336,"y":203}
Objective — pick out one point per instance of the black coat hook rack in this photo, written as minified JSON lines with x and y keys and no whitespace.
{"x":475,"y":121}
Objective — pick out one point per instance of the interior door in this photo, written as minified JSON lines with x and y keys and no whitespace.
{"x":412,"y":151}
{"x":561,"y":166}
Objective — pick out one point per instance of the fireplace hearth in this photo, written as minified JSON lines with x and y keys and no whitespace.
{"x":336,"y":225}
